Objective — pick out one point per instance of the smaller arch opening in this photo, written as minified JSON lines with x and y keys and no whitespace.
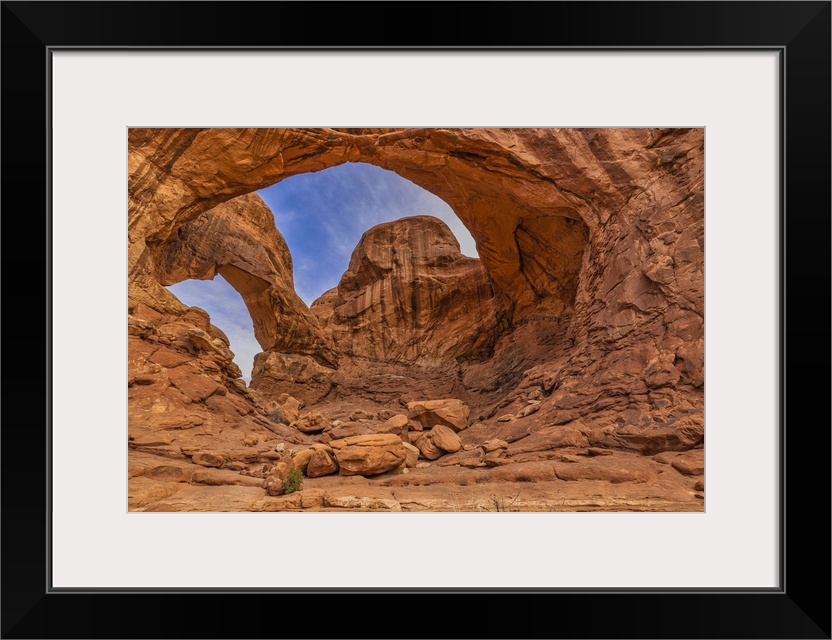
{"x":228,"y":313}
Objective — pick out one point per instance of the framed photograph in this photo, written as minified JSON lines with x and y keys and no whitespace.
{"x":534,"y":415}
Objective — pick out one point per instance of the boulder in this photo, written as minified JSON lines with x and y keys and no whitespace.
{"x":208,"y":459}
{"x":445,"y":439}
{"x":320,"y":464}
{"x":397,"y":424}
{"x":449,"y":413}
{"x":369,"y":455}
{"x":412,"y":454}
{"x":427,"y":447}
{"x":291,"y":408}
{"x":274,"y":486}
{"x":301,"y":459}
{"x":320,"y":446}
{"x":280,"y":470}
{"x":494,"y":445}
{"x":311,"y":422}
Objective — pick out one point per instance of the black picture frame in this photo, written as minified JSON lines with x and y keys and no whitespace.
{"x":799,"y":608}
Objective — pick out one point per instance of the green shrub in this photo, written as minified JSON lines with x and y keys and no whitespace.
{"x":293,"y":481}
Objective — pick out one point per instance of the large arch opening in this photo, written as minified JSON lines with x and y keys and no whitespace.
{"x":492,"y":179}
{"x":322,"y":216}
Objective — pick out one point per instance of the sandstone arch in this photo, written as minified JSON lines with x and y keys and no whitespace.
{"x":491,"y":179}
{"x":238,"y":240}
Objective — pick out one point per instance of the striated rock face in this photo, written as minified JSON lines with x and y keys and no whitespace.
{"x":408,"y":296}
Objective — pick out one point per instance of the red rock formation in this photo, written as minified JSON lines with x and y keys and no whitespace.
{"x":531,"y":198}
{"x":591,"y":240}
{"x":238,"y":240}
{"x":410,"y":296}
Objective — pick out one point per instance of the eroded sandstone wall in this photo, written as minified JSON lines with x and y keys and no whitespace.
{"x":410,"y":296}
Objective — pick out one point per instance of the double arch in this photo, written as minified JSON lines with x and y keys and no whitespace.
{"x":190,"y":184}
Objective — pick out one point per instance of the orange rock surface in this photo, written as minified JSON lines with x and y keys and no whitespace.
{"x":408,"y":296}
{"x":580,"y":328}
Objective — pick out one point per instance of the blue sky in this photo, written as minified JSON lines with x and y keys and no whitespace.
{"x":322,"y":216}
{"x":228,"y":312}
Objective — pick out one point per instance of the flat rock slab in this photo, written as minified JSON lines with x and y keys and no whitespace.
{"x":205,"y":498}
{"x":549,"y":438}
